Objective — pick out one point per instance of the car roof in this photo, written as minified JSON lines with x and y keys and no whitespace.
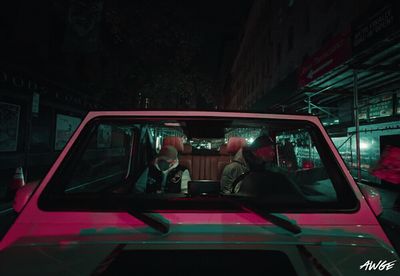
{"x":212,"y":114}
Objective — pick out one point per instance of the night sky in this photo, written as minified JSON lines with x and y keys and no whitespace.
{"x":125,"y":51}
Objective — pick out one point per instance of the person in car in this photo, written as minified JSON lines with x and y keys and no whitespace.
{"x":258,"y":156}
{"x":164,"y":174}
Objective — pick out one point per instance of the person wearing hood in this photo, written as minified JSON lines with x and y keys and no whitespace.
{"x":164,"y":174}
{"x":258,"y":156}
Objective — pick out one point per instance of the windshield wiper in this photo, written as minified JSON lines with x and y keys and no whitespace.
{"x":283,"y":223}
{"x":161,"y":225}
{"x":278,"y":221}
{"x":253,"y":208}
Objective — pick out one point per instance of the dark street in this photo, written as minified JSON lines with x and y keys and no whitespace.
{"x":113,"y":98}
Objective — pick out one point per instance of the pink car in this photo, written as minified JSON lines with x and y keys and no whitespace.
{"x":189,"y":193}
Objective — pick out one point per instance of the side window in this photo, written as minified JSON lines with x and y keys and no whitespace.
{"x":105,"y":162}
{"x":145,"y":151}
{"x":298,"y":155}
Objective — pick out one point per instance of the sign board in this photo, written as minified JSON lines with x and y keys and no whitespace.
{"x":334,"y":53}
{"x":381,"y":106}
{"x":376,"y":107}
{"x":65,"y":127}
{"x":9,"y":125}
{"x":25,"y":86}
{"x":375,"y":27}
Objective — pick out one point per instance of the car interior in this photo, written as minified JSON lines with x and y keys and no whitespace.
{"x":117,"y":154}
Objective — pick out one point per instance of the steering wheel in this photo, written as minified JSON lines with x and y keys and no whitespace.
{"x":238,"y":179}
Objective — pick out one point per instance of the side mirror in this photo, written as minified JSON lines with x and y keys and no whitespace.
{"x":23,"y":194}
{"x":372,"y":197}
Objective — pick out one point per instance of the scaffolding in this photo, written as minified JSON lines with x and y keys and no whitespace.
{"x":365,"y":75}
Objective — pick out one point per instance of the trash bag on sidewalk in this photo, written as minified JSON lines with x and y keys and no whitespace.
{"x":388,"y":167}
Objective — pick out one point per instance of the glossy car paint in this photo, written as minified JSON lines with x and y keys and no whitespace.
{"x":340,"y":254}
{"x":352,"y":232}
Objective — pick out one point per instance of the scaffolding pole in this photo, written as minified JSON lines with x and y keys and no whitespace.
{"x":309,"y":137}
{"x":357,"y":124}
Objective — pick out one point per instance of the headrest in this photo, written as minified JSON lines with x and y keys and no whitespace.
{"x":174,"y":141}
{"x":187,"y":149}
{"x":223,"y":150}
{"x":235,"y":144}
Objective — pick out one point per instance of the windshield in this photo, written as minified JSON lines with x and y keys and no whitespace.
{"x":276,"y":162}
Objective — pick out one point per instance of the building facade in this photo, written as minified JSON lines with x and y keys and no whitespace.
{"x":278,"y":37}
{"x":335,"y":59}
{"x":37,"y":118}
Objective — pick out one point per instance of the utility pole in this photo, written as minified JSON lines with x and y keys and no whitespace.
{"x":357,"y":124}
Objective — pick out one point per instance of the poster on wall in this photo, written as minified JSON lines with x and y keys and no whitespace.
{"x":9,"y":123}
{"x":65,"y":127}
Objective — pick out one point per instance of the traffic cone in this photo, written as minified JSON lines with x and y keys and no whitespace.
{"x":18,"y":179}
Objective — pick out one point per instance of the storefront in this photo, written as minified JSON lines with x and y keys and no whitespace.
{"x":36,"y":120}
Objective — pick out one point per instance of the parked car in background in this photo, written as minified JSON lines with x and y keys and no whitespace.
{"x":86,"y":217}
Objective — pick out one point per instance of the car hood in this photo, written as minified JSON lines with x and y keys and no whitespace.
{"x":338,"y":251}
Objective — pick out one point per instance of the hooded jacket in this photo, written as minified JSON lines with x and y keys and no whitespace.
{"x":242,"y":162}
{"x":232,"y":171}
